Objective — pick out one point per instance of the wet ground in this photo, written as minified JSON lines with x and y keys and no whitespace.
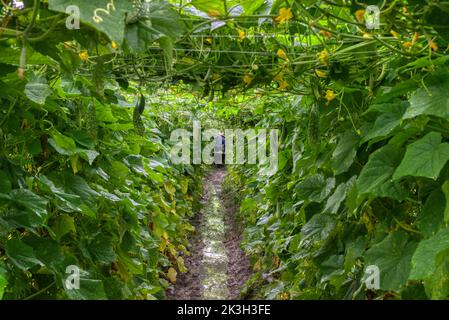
{"x":218,"y":268}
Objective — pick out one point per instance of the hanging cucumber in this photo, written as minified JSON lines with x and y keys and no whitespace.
{"x":137,"y":116}
{"x":211,"y":96}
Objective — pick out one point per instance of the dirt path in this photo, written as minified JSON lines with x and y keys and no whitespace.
{"x":218,"y":268}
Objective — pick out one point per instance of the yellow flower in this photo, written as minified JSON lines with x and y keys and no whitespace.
{"x":187,"y":60}
{"x":171,"y":275}
{"x":323,"y":56}
{"x":284,"y":296}
{"x":97,"y":18}
{"x":360,"y":15}
{"x":330,"y":95}
{"x":394,"y":34}
{"x":84,"y":55}
{"x":214,"y":13}
{"x":21,"y":73}
{"x":279,"y":77}
{"x":68,"y":45}
{"x":433,"y":45}
{"x":114,"y":45}
{"x":242,"y":35}
{"x":281,"y":54}
{"x":285,"y":14}
{"x":209,"y":40}
{"x":247,"y":79}
{"x":321,"y":73}
{"x":408,"y":44}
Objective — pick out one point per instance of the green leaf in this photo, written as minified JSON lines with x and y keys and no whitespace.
{"x":21,"y":254}
{"x":424,"y":158}
{"x":332,"y":268}
{"x":414,"y":291}
{"x":437,"y":287}
{"x":120,"y":170}
{"x":425,"y":62}
{"x":47,"y":251}
{"x":90,"y":288}
{"x":165,"y":20}
{"x":67,"y":146}
{"x":83,"y":138}
{"x":345,"y":152}
{"x":166,"y":44}
{"x":136,"y":164}
{"x":170,"y":188}
{"x":209,"y":5}
{"x":104,"y":113}
{"x":12,"y":56}
{"x":425,"y":259}
{"x":392,"y":256}
{"x":86,"y":210}
{"x":34,"y":147}
{"x":250,"y":6}
{"x":161,"y":223}
{"x":445,"y":189}
{"x":138,"y":36}
{"x":69,"y":86}
{"x":133,"y":266}
{"x":248,"y":205}
{"x":391,"y":189}
{"x":315,"y":188}
{"x":27,"y":199}
{"x":379,"y":168}
{"x":387,"y":94}
{"x":79,"y":186}
{"x":88,"y":155}
{"x":75,"y":186}
{"x":64,"y":201}
{"x":164,"y":26}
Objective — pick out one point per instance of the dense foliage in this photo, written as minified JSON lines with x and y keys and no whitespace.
{"x":363,"y":113}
